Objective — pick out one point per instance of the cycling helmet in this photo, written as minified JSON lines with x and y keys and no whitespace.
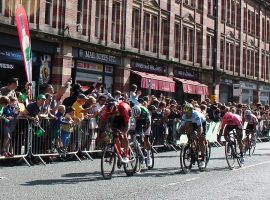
{"x":228,"y":117}
{"x":248,"y":114}
{"x":188,"y":108}
{"x":136,"y":111}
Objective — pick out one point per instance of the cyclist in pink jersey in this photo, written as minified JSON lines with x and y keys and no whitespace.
{"x":230,"y":122}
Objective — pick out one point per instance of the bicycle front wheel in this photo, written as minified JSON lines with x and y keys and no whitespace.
{"x":230,"y":155}
{"x":131,"y":167}
{"x":186,"y":159}
{"x":108,"y":161}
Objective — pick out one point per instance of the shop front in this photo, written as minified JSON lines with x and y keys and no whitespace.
{"x":264,"y":92}
{"x":151,"y":79}
{"x":90,"y":66}
{"x":248,"y":92}
{"x":226,"y":91}
{"x":188,"y":87}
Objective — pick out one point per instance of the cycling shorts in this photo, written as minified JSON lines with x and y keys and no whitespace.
{"x":119,"y":123}
{"x":251,"y":127}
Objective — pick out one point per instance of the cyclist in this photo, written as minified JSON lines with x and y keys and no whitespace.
{"x":232,"y":121}
{"x":252,"y":121}
{"x":121,"y":121}
{"x":193,"y":120}
{"x":143,"y":122}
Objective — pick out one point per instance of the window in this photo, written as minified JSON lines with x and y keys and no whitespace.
{"x":221,"y":54}
{"x":135,"y":28}
{"x":238,"y":15}
{"x":177,"y":40}
{"x":1,"y":7}
{"x":80,"y":15}
{"x":115,"y":35}
{"x":100,"y":19}
{"x":233,"y":13}
{"x":228,"y":11}
{"x":211,"y":7}
{"x":165,"y":37}
{"x":249,"y":21}
{"x":257,"y":64}
{"x":244,"y":61}
{"x":268,"y":31}
{"x":199,"y":46}
{"x":189,"y":2}
{"x":210,"y":51}
{"x":154,"y":34}
{"x":188,"y":44}
{"x":231,"y":57}
{"x":248,"y":63}
{"x":263,"y":66}
{"x":228,"y":64}
{"x":245,"y":20}
{"x":237,"y":61}
{"x":267,"y":67}
{"x":223,"y":10}
{"x":258,"y":27}
{"x":200,"y":5}
{"x":48,"y":12}
{"x":263,"y":29}
{"x":146,"y":31}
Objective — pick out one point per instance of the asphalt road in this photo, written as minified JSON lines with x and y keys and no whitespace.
{"x":75,"y":180}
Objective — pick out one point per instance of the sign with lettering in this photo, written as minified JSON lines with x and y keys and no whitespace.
{"x":264,"y":88}
{"x":186,"y":74}
{"x":90,"y":66}
{"x":249,"y":86}
{"x":6,"y":66}
{"x":99,"y":57}
{"x":147,"y":67}
{"x":236,"y":90}
{"x":10,"y":54}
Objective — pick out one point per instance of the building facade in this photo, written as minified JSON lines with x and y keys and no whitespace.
{"x":222,"y":44}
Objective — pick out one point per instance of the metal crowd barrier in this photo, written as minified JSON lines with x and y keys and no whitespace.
{"x":20,"y":143}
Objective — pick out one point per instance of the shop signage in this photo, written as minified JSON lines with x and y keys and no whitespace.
{"x":90,"y":66}
{"x":249,"y":86}
{"x":236,"y":90}
{"x":147,"y":67}
{"x":99,"y":57}
{"x":226,"y":81}
{"x":108,"y":69}
{"x":264,"y":88}
{"x":10,"y":54}
{"x":186,"y":74}
{"x":45,"y":69}
{"x":6,"y":66}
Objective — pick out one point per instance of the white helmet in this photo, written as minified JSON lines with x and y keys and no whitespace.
{"x":136,"y":111}
{"x":248,"y":113}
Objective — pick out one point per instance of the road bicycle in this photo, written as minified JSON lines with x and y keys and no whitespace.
{"x":112,"y":154}
{"x":250,"y":143}
{"x":138,"y":139}
{"x":232,"y":152}
{"x":189,"y":153}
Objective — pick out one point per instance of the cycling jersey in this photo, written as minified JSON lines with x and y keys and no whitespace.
{"x":144,"y":120}
{"x":236,"y":121}
{"x":253,"y":120}
{"x":197,"y":118}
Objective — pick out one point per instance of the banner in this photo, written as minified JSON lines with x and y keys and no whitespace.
{"x":24,"y":37}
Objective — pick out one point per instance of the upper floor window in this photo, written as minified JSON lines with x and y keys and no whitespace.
{"x":210,"y":51}
{"x":80,"y":15}
{"x":100,"y":19}
{"x":164,"y":37}
{"x":200,"y":5}
{"x":49,"y":12}
{"x":177,"y":40}
{"x":189,"y":2}
{"x":211,"y":7}
{"x":154,"y":34}
{"x":135,"y":38}
{"x":146,"y":31}
{"x":188,"y":43}
{"x":115,"y":35}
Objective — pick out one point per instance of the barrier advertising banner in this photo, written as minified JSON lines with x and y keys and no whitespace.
{"x":24,"y":37}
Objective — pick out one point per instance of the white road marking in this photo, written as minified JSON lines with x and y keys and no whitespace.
{"x":175,"y":183}
{"x":249,"y":166}
{"x":1,"y":178}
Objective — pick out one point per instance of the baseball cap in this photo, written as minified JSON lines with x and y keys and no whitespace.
{"x":82,"y":96}
{"x":41,"y":96}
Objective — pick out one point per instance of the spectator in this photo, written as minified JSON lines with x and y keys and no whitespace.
{"x":90,"y":102}
{"x":100,"y":105}
{"x":4,"y":101}
{"x":80,"y":112}
{"x":74,"y":92}
{"x":9,"y":90}
{"x":11,"y":113}
{"x":117,"y":95}
{"x":57,"y":126}
{"x":133,"y":96}
{"x":68,"y":129}
{"x":46,"y":110}
{"x":33,"y":110}
{"x":21,"y":105}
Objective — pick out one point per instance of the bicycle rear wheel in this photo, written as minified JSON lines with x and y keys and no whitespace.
{"x":252,"y":147}
{"x":131,"y":167}
{"x":108,"y":161}
{"x":230,"y":154}
{"x":186,"y":159}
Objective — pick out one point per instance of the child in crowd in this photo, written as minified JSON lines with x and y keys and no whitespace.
{"x":67,"y":129}
{"x":4,"y":101}
{"x":58,"y":124}
{"x":10,"y":112}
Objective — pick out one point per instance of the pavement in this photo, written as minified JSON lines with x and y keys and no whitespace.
{"x":75,"y":180}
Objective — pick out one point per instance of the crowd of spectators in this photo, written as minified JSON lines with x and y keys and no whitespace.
{"x":67,"y":113}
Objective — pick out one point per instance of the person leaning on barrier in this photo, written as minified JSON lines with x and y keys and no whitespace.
{"x":9,"y":90}
{"x":80,"y":112}
{"x":4,"y":101}
{"x":33,"y":110}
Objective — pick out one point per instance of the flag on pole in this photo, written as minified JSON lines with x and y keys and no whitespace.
{"x":25,"y":42}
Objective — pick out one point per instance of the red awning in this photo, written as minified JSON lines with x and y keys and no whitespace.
{"x":161,"y":83}
{"x":193,"y":87}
